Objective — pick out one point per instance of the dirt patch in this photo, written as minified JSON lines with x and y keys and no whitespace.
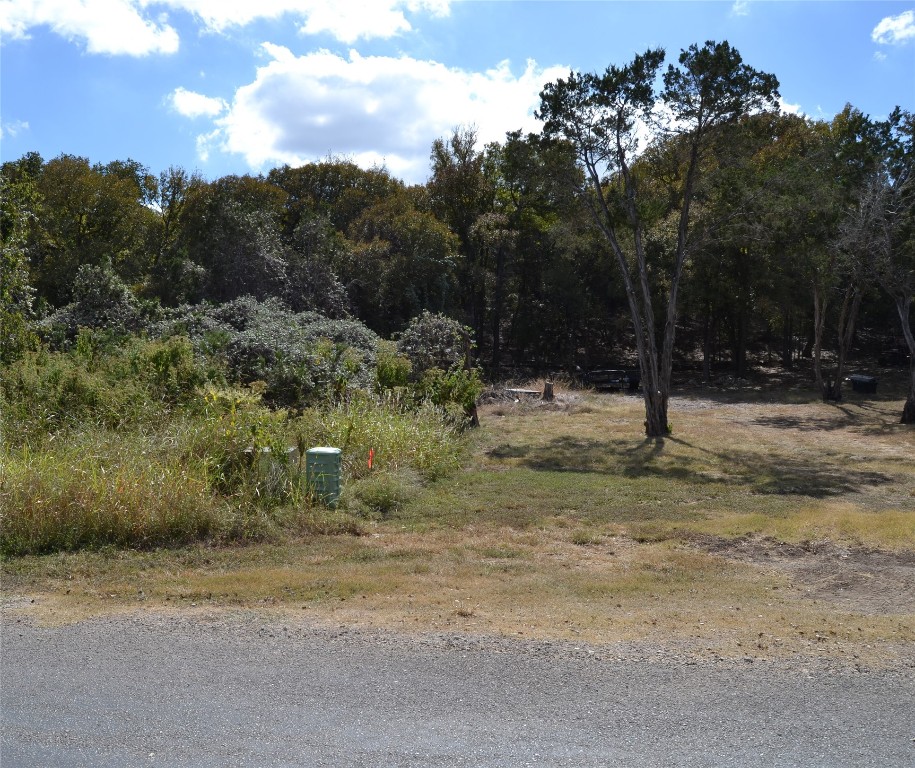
{"x":860,"y":580}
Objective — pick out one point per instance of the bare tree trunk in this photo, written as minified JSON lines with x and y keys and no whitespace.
{"x":473,"y":416}
{"x":707,"y":330}
{"x":903,"y":307}
{"x":547,"y":391}
{"x":740,"y":343}
{"x":850,"y":306}
{"x":908,"y":410}
{"x":498,"y":300}
{"x":640,"y":307}
{"x":787,"y":338}
{"x":819,"y":321}
{"x":656,"y":424}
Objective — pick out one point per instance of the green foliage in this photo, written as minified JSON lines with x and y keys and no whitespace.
{"x":455,"y":386}
{"x":437,"y":347}
{"x":102,"y":381}
{"x":337,"y":189}
{"x":100,"y":300}
{"x":122,"y":443}
{"x":311,"y":282}
{"x":418,"y":439}
{"x":16,"y":334}
{"x":242,"y":445}
{"x":434,"y":341}
{"x":402,"y":262}
{"x":598,"y":115}
{"x":17,"y":198}
{"x":392,"y":370}
{"x":302,"y":357}
{"x":169,"y":369}
{"x":45,"y":392}
{"x":231,"y":228}
{"x":90,"y":215}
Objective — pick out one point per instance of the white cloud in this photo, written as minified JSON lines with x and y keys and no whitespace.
{"x":374,"y":110}
{"x":138,"y":27}
{"x":106,"y":26}
{"x":895,"y":30}
{"x":740,"y":8}
{"x":191,"y":104}
{"x":13,"y":129}
{"x":345,"y":20}
{"x":789,"y":109}
{"x":348,"y":21}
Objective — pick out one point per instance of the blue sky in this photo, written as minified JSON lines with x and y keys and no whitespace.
{"x":240,"y":86}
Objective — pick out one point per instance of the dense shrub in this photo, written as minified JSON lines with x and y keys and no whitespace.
{"x":417,"y":439}
{"x":438,"y":350}
{"x":456,"y":386}
{"x":229,"y":435}
{"x":217,"y":469}
{"x":100,"y":300}
{"x":302,"y":357}
{"x":134,"y":442}
{"x":392,"y":369}
{"x":169,"y":369}
{"x":100,"y":382}
{"x":434,"y":341}
{"x":45,"y":392}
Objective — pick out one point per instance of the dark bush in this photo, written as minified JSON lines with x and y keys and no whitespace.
{"x":302,"y":357}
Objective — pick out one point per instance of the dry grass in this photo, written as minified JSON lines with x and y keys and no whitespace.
{"x":566,"y":523}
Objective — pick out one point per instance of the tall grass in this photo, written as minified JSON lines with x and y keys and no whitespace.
{"x":107,"y":472}
{"x":102,"y":490}
{"x":397,"y":438}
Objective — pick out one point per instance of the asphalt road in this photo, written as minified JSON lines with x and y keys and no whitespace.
{"x":179,"y":691}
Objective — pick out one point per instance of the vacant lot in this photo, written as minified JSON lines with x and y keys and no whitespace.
{"x":766,"y":526}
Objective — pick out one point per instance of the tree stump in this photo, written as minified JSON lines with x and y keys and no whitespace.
{"x":547,"y":391}
{"x":908,"y":412}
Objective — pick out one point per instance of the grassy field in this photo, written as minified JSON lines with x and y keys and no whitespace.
{"x":767,"y":525}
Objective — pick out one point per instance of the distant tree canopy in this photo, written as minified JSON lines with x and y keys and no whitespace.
{"x":656,"y":200}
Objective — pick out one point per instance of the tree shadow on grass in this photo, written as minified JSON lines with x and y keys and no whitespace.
{"x":814,"y":477}
{"x":865,"y":418}
{"x":614,"y":457}
{"x":819,"y":478}
{"x":806,"y":423}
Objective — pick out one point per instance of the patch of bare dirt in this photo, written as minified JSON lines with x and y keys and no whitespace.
{"x":860,"y":580}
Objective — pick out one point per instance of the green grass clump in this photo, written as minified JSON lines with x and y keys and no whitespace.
{"x":397,"y":438}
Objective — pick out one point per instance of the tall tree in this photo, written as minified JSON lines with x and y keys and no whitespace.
{"x":849,"y":153}
{"x":601,"y":116}
{"x":19,"y":211}
{"x":402,"y":263}
{"x":92,"y":214}
{"x":880,"y":229}
{"x":232,"y":228}
{"x":338,"y":190}
{"x":538,"y":293}
{"x":174,"y":278}
{"x":458,"y":194}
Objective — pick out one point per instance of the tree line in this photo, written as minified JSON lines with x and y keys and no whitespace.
{"x":665,"y":217}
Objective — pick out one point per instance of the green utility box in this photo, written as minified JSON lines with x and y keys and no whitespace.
{"x":322,"y":473}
